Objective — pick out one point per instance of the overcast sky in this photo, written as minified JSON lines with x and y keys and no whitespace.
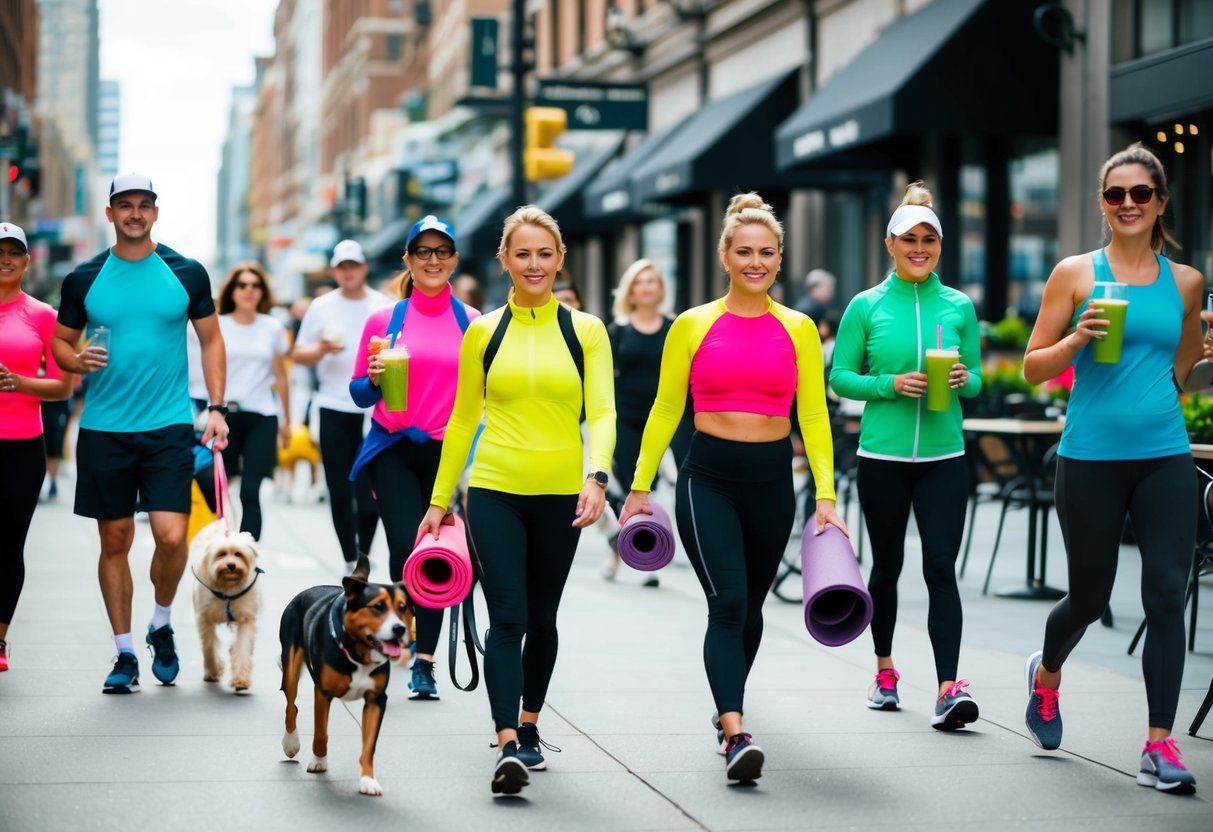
{"x":177,"y":62}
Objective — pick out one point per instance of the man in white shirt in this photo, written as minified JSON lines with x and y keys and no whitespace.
{"x":328,"y":338}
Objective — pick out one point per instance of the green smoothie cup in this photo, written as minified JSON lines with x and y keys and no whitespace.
{"x":1112,"y":300}
{"x":394,"y":381}
{"x":939,"y":368}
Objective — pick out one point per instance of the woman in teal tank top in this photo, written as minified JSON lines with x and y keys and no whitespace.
{"x":1124,"y":451}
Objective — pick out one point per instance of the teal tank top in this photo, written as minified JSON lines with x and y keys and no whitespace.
{"x":1130,"y":410}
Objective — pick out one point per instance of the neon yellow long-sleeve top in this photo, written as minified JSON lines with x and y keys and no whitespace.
{"x":748,"y":365}
{"x":531,"y":406}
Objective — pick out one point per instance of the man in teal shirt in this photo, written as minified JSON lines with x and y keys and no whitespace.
{"x":136,"y":430}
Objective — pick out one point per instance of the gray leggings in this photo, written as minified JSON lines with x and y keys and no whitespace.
{"x":1159,"y":496}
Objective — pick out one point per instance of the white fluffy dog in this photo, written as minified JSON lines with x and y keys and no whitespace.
{"x":226,"y":592}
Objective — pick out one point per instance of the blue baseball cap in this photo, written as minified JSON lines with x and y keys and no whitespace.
{"x":429,"y":223}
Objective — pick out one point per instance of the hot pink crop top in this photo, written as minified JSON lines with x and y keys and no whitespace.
{"x":746,"y":365}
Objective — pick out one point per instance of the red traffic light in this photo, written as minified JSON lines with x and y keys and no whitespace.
{"x":13,"y":173}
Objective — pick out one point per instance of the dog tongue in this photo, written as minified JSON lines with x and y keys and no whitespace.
{"x":391,"y":649}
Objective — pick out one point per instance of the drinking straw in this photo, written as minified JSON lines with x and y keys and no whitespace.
{"x":938,"y":336}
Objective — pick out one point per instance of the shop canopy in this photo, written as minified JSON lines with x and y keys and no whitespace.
{"x":563,"y":198}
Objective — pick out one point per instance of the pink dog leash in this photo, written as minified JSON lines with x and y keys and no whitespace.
{"x":223,"y":497}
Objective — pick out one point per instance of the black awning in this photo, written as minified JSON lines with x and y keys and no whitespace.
{"x":478,"y":225}
{"x":609,"y":196}
{"x":932,"y":72}
{"x":1159,"y":87}
{"x":563,"y":198}
{"x":383,"y":241}
{"x":715,"y":147}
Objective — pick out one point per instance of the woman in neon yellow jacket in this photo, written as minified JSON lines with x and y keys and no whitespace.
{"x":911,"y":456}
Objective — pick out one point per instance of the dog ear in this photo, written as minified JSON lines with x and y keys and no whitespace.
{"x":353,"y":586}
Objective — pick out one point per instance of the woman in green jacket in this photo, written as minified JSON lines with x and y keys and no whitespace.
{"x":911,"y":456}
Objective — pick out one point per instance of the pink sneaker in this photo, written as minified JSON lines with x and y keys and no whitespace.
{"x":883,"y":696}
{"x":3,"y":655}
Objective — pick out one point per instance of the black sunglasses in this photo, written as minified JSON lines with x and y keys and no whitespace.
{"x":243,"y":285}
{"x":424,"y":252}
{"x":1140,"y":194}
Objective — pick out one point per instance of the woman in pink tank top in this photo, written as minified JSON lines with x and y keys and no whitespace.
{"x":26,"y":328}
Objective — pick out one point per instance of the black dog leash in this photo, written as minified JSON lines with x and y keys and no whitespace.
{"x":471,"y":639}
{"x":257,"y":573}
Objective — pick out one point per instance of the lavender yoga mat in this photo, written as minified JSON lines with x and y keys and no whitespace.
{"x":646,"y":541}
{"x":438,"y":573}
{"x":837,"y":606}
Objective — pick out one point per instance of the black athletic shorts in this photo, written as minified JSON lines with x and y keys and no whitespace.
{"x":114,"y":469}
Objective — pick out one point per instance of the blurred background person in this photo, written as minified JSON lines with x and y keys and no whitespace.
{"x":256,"y":369}
{"x":565,"y":290}
{"x":468,"y":289}
{"x":819,"y":287}
{"x":327,"y":340}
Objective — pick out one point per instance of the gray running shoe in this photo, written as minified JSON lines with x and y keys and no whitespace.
{"x":883,"y":696}
{"x":955,"y":709}
{"x":722,"y":742}
{"x":1042,"y":718}
{"x":1162,"y":768}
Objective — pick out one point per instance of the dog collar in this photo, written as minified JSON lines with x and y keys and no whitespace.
{"x":257,"y":573}
{"x":333,"y":632}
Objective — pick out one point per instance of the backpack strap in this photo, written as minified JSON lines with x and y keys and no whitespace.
{"x":564,"y":317}
{"x":490,"y":351}
{"x":460,"y":312}
{"x":396,"y":324}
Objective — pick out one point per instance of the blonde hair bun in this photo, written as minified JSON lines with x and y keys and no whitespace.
{"x":917,"y":193}
{"x":742,"y":202}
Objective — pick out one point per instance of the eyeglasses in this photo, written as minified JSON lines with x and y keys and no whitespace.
{"x":1140,"y":194}
{"x":425,"y":252}
{"x":254,"y":285}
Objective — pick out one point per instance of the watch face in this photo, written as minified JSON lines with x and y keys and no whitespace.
{"x":600,"y":477}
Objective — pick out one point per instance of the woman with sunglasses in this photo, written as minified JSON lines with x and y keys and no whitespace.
{"x":1124,"y":449}
{"x":256,"y":370}
{"x":28,"y":376}
{"x":402,"y":448}
{"x":527,"y":368}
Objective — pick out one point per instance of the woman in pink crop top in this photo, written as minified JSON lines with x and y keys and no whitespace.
{"x":26,"y":328}
{"x":743,"y":357}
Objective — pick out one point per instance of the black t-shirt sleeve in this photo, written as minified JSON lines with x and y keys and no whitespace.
{"x":194,"y":278}
{"x":72,"y":293}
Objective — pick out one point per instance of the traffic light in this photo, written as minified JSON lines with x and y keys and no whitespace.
{"x":541,"y":159}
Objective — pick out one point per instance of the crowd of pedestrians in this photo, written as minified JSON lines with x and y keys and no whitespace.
{"x":548,"y":416}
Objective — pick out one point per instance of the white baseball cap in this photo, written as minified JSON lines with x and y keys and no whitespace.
{"x":347,"y":250}
{"x":8,"y":231}
{"x":908,"y":216}
{"x":127,"y":182}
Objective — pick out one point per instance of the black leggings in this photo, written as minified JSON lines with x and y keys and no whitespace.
{"x":627,"y":451}
{"x":252,"y":450}
{"x":1159,"y":496}
{"x":403,"y":478}
{"x":938,"y":492}
{"x":352,"y":505}
{"x":524,"y":548}
{"x":23,"y":462}
{"x":735,"y":506}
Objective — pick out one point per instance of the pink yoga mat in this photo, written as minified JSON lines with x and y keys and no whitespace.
{"x":438,"y":573}
{"x":837,"y":606}
{"x":646,"y":541}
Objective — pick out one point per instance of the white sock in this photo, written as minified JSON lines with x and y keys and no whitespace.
{"x":161,"y":616}
{"x":124,"y":643}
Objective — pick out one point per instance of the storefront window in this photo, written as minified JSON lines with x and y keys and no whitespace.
{"x":973,"y":233}
{"x":1034,"y":192}
{"x":659,"y":243}
{"x":1164,"y":24}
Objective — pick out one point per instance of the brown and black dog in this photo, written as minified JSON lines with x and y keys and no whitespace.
{"x":347,"y":636}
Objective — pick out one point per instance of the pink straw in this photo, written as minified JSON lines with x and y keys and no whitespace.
{"x":939,"y":336}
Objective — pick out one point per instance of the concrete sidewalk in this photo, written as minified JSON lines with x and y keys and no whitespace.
{"x":629,"y":706}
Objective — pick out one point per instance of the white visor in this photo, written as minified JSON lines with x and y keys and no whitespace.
{"x":908,"y":216}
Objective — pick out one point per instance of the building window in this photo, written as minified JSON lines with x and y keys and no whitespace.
{"x":393,"y":47}
{"x":1165,"y":24}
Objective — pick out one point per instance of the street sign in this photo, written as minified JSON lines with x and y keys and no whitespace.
{"x":594,"y":106}
{"x":484,"y":52}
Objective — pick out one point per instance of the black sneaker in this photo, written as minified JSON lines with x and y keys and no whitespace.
{"x":422,"y":683}
{"x":124,"y":678}
{"x":165,"y":665}
{"x":530,"y":745}
{"x":510,"y":775}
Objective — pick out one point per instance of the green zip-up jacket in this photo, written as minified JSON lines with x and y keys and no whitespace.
{"x":884,"y":333}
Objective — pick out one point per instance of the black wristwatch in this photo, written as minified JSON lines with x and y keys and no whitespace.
{"x":599,"y":477}
{"x":220,"y":408}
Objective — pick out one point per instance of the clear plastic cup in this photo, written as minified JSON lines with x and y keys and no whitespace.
{"x":939,"y":370}
{"x":1112,"y":300}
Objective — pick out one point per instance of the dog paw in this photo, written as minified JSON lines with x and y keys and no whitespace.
{"x":290,"y":743}
{"x":318,"y":765}
{"x":210,"y":677}
{"x":369,"y":786}
{"x":239,"y":683}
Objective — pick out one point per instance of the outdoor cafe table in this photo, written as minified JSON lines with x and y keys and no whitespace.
{"x":1027,"y":440}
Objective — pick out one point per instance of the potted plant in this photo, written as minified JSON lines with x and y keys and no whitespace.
{"x":1198,"y":417}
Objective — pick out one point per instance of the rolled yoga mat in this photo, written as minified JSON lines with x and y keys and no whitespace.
{"x":646,"y":541}
{"x":438,"y":573}
{"x":837,"y":606}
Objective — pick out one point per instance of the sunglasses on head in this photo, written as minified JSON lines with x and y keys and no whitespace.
{"x":1140,"y":194}
{"x":424,"y":252}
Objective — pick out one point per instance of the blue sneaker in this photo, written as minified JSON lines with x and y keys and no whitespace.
{"x":743,"y":759}
{"x":1162,"y":768}
{"x":509,"y":775}
{"x":955,"y":709}
{"x":530,"y":745}
{"x":422,"y":684}
{"x":165,"y":665}
{"x":1042,"y":718}
{"x":124,"y":678}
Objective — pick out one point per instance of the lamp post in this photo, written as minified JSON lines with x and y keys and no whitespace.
{"x":519,"y":66}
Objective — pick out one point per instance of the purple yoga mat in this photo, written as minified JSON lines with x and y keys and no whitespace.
{"x":646,"y":541}
{"x":837,"y":606}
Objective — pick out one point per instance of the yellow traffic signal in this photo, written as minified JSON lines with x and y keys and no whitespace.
{"x":541,"y":160}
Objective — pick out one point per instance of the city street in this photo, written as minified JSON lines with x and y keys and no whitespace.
{"x":629,"y":706}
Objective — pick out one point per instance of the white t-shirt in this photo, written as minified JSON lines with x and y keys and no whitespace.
{"x":334,"y":312}
{"x":251,"y":350}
